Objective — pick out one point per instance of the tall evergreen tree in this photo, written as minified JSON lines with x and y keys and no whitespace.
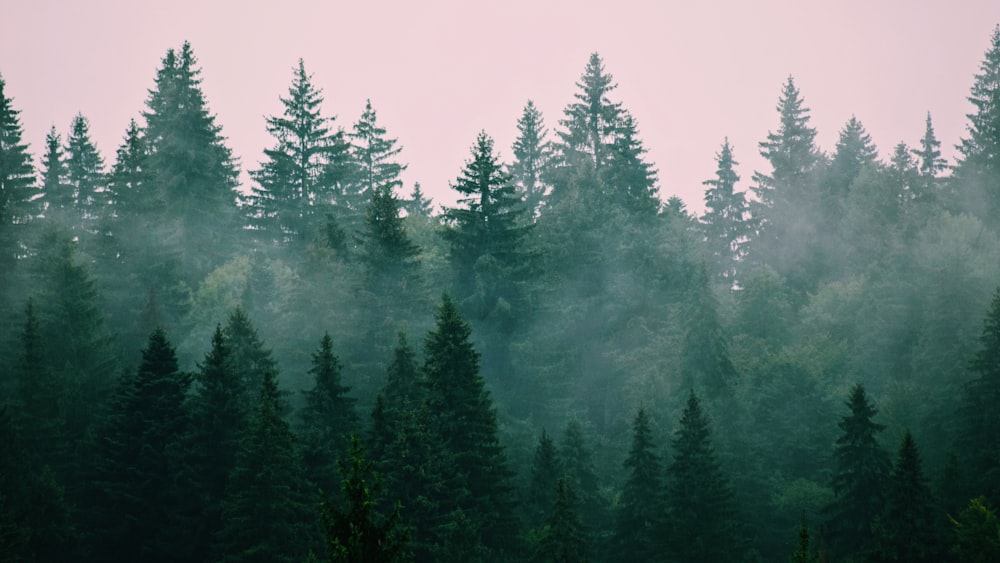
{"x":859,"y":482}
{"x":577,"y":463}
{"x":932,"y":163}
{"x":466,"y":422}
{"x":629,"y":180}
{"x":725,"y":222}
{"x":266,"y":513}
{"x":41,"y":393}
{"x":977,"y":533}
{"x":374,"y":154}
{"x":705,"y":357}
{"x":701,"y":513}
{"x":249,"y":359}
{"x":978,"y":167}
{"x":355,"y":531}
{"x":564,"y":540}
{"x":386,"y":251}
{"x":305,"y":171}
{"x":855,"y":151}
{"x":532,"y":153}
{"x":136,"y":501}
{"x":17,"y":186}
{"x":418,"y":203}
{"x":545,"y":473}
{"x":86,"y":177}
{"x":327,"y":419}
{"x":980,"y":436}
{"x":591,"y":121}
{"x":190,"y":168}
{"x":641,"y":510}
{"x":57,"y":195}
{"x":487,"y":238}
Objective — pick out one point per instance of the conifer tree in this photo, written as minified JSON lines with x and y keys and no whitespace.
{"x":591,"y":121}
{"x":41,"y":393}
{"x":355,"y":532}
{"x":249,"y":359}
{"x":977,"y":533}
{"x":190,"y":168}
{"x":386,"y":251}
{"x":701,"y":514}
{"x":266,"y":513}
{"x":305,"y":172}
{"x":17,"y":186}
{"x":374,"y":155}
{"x":86,"y":177}
{"x":804,"y":553}
{"x":57,"y":195}
{"x":980,"y":435}
{"x":725,"y":222}
{"x":931,"y":162}
{"x":641,"y":511}
{"x":629,"y":180}
{"x":545,"y":474}
{"x":908,"y":529}
{"x":418,"y":203}
{"x":705,"y":357}
{"x":136,"y":500}
{"x":466,"y":423}
{"x":855,"y":151}
{"x":862,"y":470}
{"x":532,"y":153}
{"x":564,"y":540}
{"x":978,"y":169}
{"x":327,"y":419}
{"x":577,"y":464}
{"x":487,"y":238}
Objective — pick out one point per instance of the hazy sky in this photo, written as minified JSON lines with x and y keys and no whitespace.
{"x":438,"y":72}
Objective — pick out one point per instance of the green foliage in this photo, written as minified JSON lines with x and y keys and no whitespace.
{"x":563,"y":540}
{"x":977,"y":533}
{"x":17,"y":190}
{"x":641,"y":510}
{"x":374,"y":156}
{"x":725,"y":223}
{"x":546,"y":471}
{"x":981,"y":422}
{"x":977,"y":169}
{"x":532,"y":153}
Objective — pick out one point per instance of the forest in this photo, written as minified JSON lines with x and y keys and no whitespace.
{"x":313,"y":362}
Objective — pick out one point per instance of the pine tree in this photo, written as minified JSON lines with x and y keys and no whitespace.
{"x":41,"y":393}
{"x":855,"y":151}
{"x":705,"y":359}
{"x":591,"y":121}
{"x":929,"y":153}
{"x":701,"y":515}
{"x":327,"y":419}
{"x":18,"y":194}
{"x":577,"y":463}
{"x":908,"y":529}
{"x":249,"y":359}
{"x":466,"y":422}
{"x":725,"y":222}
{"x":375,"y":156}
{"x":532,"y":153}
{"x":266,"y":513}
{"x":641,"y":509}
{"x":487,"y":238}
{"x":136,"y":501}
{"x":305,"y":172}
{"x":86,"y":177}
{"x":980,"y":435}
{"x":805,"y":552}
{"x":190,"y":169}
{"x":629,"y":180}
{"x":418,"y":203}
{"x":57,"y":195}
{"x":978,"y":167}
{"x":386,"y":251}
{"x":355,"y":532}
{"x":977,"y":533}
{"x":862,"y":470}
{"x":545,"y":474}
{"x":564,"y":540}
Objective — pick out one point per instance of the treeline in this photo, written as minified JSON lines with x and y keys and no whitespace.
{"x":607,"y":376}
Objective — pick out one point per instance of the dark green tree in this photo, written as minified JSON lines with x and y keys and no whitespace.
{"x":591,"y":121}
{"x":629,"y":180}
{"x":701,"y":514}
{"x":135,"y":507}
{"x":465,"y":421}
{"x":386,"y":251}
{"x":980,"y":435}
{"x":909,"y":529}
{"x":327,"y":419}
{"x":977,"y":533}
{"x":545,"y":473}
{"x":564,"y":540}
{"x":41,"y":393}
{"x":249,"y":359}
{"x":577,"y":463}
{"x":859,"y":481}
{"x":855,"y":152}
{"x":487,"y":239}
{"x":57,"y":195}
{"x":932,"y":164}
{"x":418,"y":203}
{"x":374,"y":155}
{"x":705,"y":362}
{"x":725,"y":222}
{"x":805,"y":552}
{"x":978,"y":169}
{"x":355,"y":532}
{"x":305,"y":172}
{"x":86,"y":177}
{"x":532,"y":153}
{"x":17,"y":187}
{"x":190,"y":168}
{"x":641,"y":510}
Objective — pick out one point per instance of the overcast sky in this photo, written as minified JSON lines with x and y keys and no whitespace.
{"x":438,"y":72}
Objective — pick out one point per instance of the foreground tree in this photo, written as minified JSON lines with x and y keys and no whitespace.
{"x":641,"y":512}
{"x":981,"y":423}
{"x":563,"y":540}
{"x":862,"y":470}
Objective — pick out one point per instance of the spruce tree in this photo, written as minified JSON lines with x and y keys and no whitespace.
{"x":466,"y":423}
{"x":590,"y":121}
{"x":135,"y":508}
{"x":705,"y":362}
{"x":564,"y":540}
{"x":266,"y":513}
{"x":304,"y":173}
{"x":374,"y":155}
{"x":725,"y":222}
{"x":327,"y":419}
{"x":86,"y":177}
{"x":978,"y":170}
{"x":532,"y":153}
{"x":931,"y":162}
{"x":41,"y":393}
{"x":57,"y":195}
{"x":577,"y":463}
{"x":629,"y":180}
{"x":545,"y":474}
{"x":855,"y":151}
{"x":859,"y":481}
{"x":191,"y":170}
{"x":701,"y":522}
{"x":386,"y":251}
{"x":17,"y":187}
{"x":418,"y":203}
{"x":249,"y":359}
{"x":977,"y":533}
{"x":641,"y":510}
{"x":980,"y":436}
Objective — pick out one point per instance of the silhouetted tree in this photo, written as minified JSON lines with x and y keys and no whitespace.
{"x":641,"y":510}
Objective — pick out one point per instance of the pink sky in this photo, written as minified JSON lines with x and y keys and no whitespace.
{"x":438,"y":72}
